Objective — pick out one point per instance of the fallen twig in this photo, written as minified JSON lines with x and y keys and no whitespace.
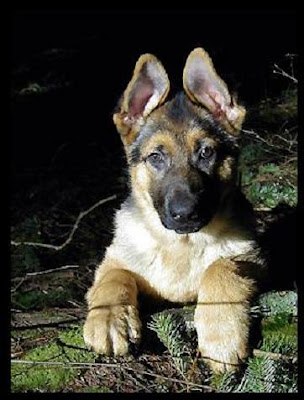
{"x":274,"y":356}
{"x":75,"y":227}
{"x":278,"y":70}
{"x":254,"y":134}
{"x":135,"y":380}
{"x":46,"y":324}
{"x":22,"y":279}
{"x":264,"y":209}
{"x":52,"y":270}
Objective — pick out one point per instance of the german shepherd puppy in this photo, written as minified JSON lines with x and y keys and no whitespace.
{"x":185,"y":233}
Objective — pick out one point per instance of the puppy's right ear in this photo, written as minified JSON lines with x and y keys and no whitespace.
{"x":204,"y":87}
{"x":147,"y":89}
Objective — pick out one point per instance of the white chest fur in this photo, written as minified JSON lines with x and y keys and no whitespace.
{"x":172,"y":264}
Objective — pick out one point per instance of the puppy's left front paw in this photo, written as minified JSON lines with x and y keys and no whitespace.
{"x":223,"y":344}
{"x":222,"y":359}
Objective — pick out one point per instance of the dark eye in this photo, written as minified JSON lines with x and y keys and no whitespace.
{"x":156,"y":159}
{"x":206,"y":152}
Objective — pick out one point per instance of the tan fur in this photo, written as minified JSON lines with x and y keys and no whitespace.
{"x":160,"y":138}
{"x":216,"y":266}
{"x":225,"y":170}
{"x":147,"y":249}
{"x":178,"y":268}
{"x":194,"y":134}
{"x":222,"y":315}
{"x":113,"y":317}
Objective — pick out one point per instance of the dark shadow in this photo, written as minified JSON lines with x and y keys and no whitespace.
{"x":279,"y":245}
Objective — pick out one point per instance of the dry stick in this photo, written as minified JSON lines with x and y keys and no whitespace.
{"x":256,"y":352}
{"x":266,"y":209}
{"x":280,"y":71}
{"x":255,"y":134}
{"x":135,"y":380}
{"x":46,"y":324}
{"x":89,"y":365}
{"x":75,"y":227}
{"x":22,"y":279}
{"x":261,"y":139}
{"x":274,"y":356}
{"x":52,"y":270}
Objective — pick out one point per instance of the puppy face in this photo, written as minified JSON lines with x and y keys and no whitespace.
{"x":182,"y":153}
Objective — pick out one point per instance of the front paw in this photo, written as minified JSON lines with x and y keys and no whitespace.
{"x":109,"y":329}
{"x":221,"y":358}
{"x":222,"y":343}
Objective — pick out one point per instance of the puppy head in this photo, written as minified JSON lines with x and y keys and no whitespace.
{"x":182,"y":152}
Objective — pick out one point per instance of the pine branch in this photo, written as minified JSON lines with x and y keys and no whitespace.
{"x":168,"y":328}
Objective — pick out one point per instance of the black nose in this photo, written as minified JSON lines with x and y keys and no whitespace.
{"x":182,"y":207}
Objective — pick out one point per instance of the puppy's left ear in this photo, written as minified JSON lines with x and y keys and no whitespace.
{"x":206,"y":88}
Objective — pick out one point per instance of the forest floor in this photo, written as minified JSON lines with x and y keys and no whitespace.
{"x":67,"y":206}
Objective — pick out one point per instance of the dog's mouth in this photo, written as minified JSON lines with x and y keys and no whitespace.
{"x":185,"y":228}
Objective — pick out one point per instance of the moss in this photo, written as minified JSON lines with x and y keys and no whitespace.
{"x":40,"y":378}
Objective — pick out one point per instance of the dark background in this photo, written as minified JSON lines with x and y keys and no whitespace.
{"x":66,"y":153}
{"x":243,"y":45}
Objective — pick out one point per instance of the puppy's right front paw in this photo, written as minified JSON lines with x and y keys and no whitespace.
{"x":109,"y":329}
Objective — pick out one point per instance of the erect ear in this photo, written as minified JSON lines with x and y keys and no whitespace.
{"x":205,"y":87}
{"x":147,"y":89}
